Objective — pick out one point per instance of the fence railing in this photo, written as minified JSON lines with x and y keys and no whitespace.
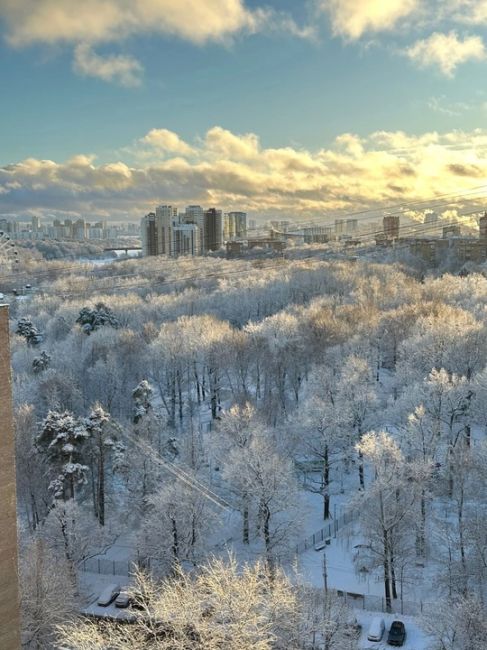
{"x":379,"y":604}
{"x":127,"y":567}
{"x":327,"y":532}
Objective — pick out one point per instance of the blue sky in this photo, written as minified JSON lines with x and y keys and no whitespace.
{"x":93,"y":82}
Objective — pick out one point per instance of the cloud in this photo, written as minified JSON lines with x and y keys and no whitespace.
{"x":451,"y":109}
{"x":167,"y":141}
{"x":124,"y":70}
{"x":95,"y":21}
{"x":446,"y":51}
{"x":237,"y":172}
{"x":225,"y":144}
{"x":353,"y":18}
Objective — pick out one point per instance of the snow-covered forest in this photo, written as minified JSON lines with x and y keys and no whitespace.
{"x":206,"y":412}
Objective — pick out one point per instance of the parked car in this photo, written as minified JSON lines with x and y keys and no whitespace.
{"x":376,"y":629}
{"x":108,"y":595}
{"x":397,"y":633}
{"x":122,"y":600}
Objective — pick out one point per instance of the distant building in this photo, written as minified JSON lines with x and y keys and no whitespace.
{"x":234,"y":225}
{"x":186,"y":239}
{"x":483,"y":229}
{"x":166,"y":215}
{"x":196,"y":215}
{"x":431,"y":217}
{"x":317,"y":234}
{"x":164,"y":233}
{"x":78,"y":229}
{"x":452,"y":231}
{"x":391,"y":227}
{"x":351,"y":225}
{"x":213,"y":230}
{"x":35,"y":224}
{"x":339,"y":226}
{"x":148,"y":228}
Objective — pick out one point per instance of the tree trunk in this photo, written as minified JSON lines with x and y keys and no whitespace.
{"x":175,"y":542}
{"x":387,"y":576}
{"x":101,"y":484}
{"x":245,"y":514}
{"x":361,"y":470}
{"x":267,"y":539}
{"x":326,"y":483}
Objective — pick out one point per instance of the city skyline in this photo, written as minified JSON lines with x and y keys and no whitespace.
{"x":271,"y":108}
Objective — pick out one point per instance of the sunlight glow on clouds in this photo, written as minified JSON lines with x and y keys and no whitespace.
{"x":353,"y":18}
{"x":236,"y":171}
{"x":446,"y":51}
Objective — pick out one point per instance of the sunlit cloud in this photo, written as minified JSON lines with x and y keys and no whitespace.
{"x":446,"y":51}
{"x":236,"y":171}
{"x":353,"y":18}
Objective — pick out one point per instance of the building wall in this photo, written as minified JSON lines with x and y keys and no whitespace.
{"x":9,"y":593}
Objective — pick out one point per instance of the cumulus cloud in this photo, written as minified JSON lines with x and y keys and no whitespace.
{"x":228,"y":145}
{"x":353,"y":18}
{"x":167,"y":141}
{"x":446,"y":51}
{"x":124,"y":70}
{"x":237,"y":171}
{"x":92,"y":21}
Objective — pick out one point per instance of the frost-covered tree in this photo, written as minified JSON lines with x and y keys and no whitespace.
{"x":32,"y":467}
{"x":142,"y":396}
{"x":41,"y":363}
{"x":178,"y":524}
{"x":28,"y":331}
{"x":102,"y":446}
{"x":91,"y":319}
{"x":268,"y":480}
{"x":224,"y":605}
{"x":356,"y":402}
{"x":386,"y":506}
{"x":47,"y":595}
{"x":63,"y":439}
{"x":458,"y":624}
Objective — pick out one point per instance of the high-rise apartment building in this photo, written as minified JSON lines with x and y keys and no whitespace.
{"x":195,"y":214}
{"x":148,"y":231}
{"x":339,"y":226}
{"x":186,"y":239}
{"x":163,"y":233}
{"x":78,"y":229}
{"x":483,"y":229}
{"x":166,"y":217}
{"x":213,"y":229}
{"x":391,"y":226}
{"x":234,"y":225}
{"x":351,"y":225}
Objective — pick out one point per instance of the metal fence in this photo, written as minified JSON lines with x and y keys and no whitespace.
{"x":327,"y":532}
{"x":378,"y":604}
{"x":127,"y":567}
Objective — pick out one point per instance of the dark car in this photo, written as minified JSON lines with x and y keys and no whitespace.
{"x":397,"y":634}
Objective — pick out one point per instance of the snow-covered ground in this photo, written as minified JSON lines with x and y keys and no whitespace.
{"x":416,"y":639}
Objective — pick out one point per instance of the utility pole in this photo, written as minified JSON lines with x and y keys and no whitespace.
{"x":9,"y":587}
{"x":325,"y":573}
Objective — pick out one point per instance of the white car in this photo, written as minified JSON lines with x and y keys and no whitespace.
{"x":108,"y":595}
{"x":376,"y":629}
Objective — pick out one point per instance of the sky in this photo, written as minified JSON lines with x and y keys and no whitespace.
{"x":283,"y":108}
